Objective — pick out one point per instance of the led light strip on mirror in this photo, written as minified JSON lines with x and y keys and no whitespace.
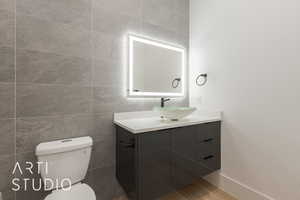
{"x":132,"y":92}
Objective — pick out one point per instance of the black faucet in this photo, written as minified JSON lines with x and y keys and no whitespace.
{"x":162,"y":102}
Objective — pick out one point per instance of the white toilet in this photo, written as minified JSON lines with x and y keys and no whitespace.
{"x":66,"y":160}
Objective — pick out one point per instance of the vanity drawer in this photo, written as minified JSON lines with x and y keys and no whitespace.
{"x":210,"y":162}
{"x":208,"y":132}
{"x":208,"y":145}
{"x":208,"y":154}
{"x":186,"y":171}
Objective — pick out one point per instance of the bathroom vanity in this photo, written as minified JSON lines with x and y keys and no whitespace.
{"x":155,"y":157}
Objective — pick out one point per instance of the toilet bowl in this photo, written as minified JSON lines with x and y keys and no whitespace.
{"x":65,"y":163}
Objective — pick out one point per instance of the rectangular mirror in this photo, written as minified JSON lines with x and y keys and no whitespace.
{"x":156,"y":69}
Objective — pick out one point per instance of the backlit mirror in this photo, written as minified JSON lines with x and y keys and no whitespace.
{"x":156,"y":69}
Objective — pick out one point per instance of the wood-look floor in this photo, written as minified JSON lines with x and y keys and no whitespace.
{"x":200,"y":190}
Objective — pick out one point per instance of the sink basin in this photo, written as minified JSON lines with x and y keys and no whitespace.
{"x":174,"y":113}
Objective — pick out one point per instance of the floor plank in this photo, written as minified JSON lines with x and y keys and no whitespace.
{"x":200,"y":190}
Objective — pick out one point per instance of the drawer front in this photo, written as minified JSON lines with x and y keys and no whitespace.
{"x":211,"y":162}
{"x":208,"y":147}
{"x":186,"y":171}
{"x":208,"y":131}
{"x":195,"y":152}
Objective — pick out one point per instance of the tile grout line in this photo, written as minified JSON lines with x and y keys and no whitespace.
{"x":92,"y":56}
{"x":15,"y":87}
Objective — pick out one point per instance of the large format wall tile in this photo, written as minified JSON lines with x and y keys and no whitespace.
{"x":119,"y":48}
{"x":166,"y":13}
{"x":7,"y":135}
{"x":7,"y":64}
{"x":109,"y":46}
{"x":40,"y":67}
{"x":6,"y":100}
{"x":77,"y":100}
{"x":127,"y":7}
{"x":39,"y":100}
{"x":181,"y":7}
{"x":79,"y":125}
{"x":45,"y":100}
{"x":102,"y":45}
{"x":103,"y":153}
{"x":181,"y":25}
{"x":6,"y":28}
{"x":76,"y":13}
{"x":7,"y":5}
{"x":160,"y":33}
{"x":32,"y":131}
{"x":99,"y":127}
{"x":104,"y":182}
{"x":43,"y":35}
{"x":8,"y":194}
{"x":6,"y":168}
{"x":27,"y":193}
{"x":158,"y":12}
{"x":118,"y":24}
{"x":108,"y":72}
{"x":104,"y":128}
{"x":106,"y":99}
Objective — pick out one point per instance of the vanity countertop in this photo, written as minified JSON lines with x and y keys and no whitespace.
{"x":146,"y":121}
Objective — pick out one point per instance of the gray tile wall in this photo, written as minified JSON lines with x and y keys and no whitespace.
{"x":62,"y":75}
{"x":7,"y":95}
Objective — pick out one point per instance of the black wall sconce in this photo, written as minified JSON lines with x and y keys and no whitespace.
{"x":201,"y":79}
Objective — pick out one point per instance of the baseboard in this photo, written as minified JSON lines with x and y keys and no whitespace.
{"x":235,"y":188}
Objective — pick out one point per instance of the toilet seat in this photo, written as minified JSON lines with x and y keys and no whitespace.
{"x":80,"y":191}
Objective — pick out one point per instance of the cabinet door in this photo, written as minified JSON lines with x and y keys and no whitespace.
{"x":184,"y":165}
{"x":154,"y":164}
{"x":125,"y":150}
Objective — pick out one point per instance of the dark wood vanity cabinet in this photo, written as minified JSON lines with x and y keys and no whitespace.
{"x":152,"y":164}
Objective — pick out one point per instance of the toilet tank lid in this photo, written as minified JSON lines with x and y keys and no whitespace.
{"x":65,"y":145}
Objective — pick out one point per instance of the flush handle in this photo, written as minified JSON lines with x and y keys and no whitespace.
{"x":208,"y":140}
{"x":67,"y":140}
{"x":208,"y":157}
{"x":126,"y":144}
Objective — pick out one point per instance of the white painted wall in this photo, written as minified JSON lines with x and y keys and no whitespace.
{"x":251,"y":52}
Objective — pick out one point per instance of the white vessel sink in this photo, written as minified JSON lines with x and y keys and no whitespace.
{"x":174,"y":113}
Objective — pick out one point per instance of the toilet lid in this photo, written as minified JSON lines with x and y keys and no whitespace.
{"x":79,"y":191}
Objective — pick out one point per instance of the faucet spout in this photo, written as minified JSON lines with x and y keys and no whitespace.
{"x":162,"y":102}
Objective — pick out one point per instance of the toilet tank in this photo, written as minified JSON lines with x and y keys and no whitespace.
{"x":64,"y":162}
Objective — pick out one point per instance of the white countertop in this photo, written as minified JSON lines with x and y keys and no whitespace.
{"x":146,"y":121}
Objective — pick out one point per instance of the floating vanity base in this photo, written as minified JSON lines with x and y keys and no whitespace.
{"x":154,"y":163}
